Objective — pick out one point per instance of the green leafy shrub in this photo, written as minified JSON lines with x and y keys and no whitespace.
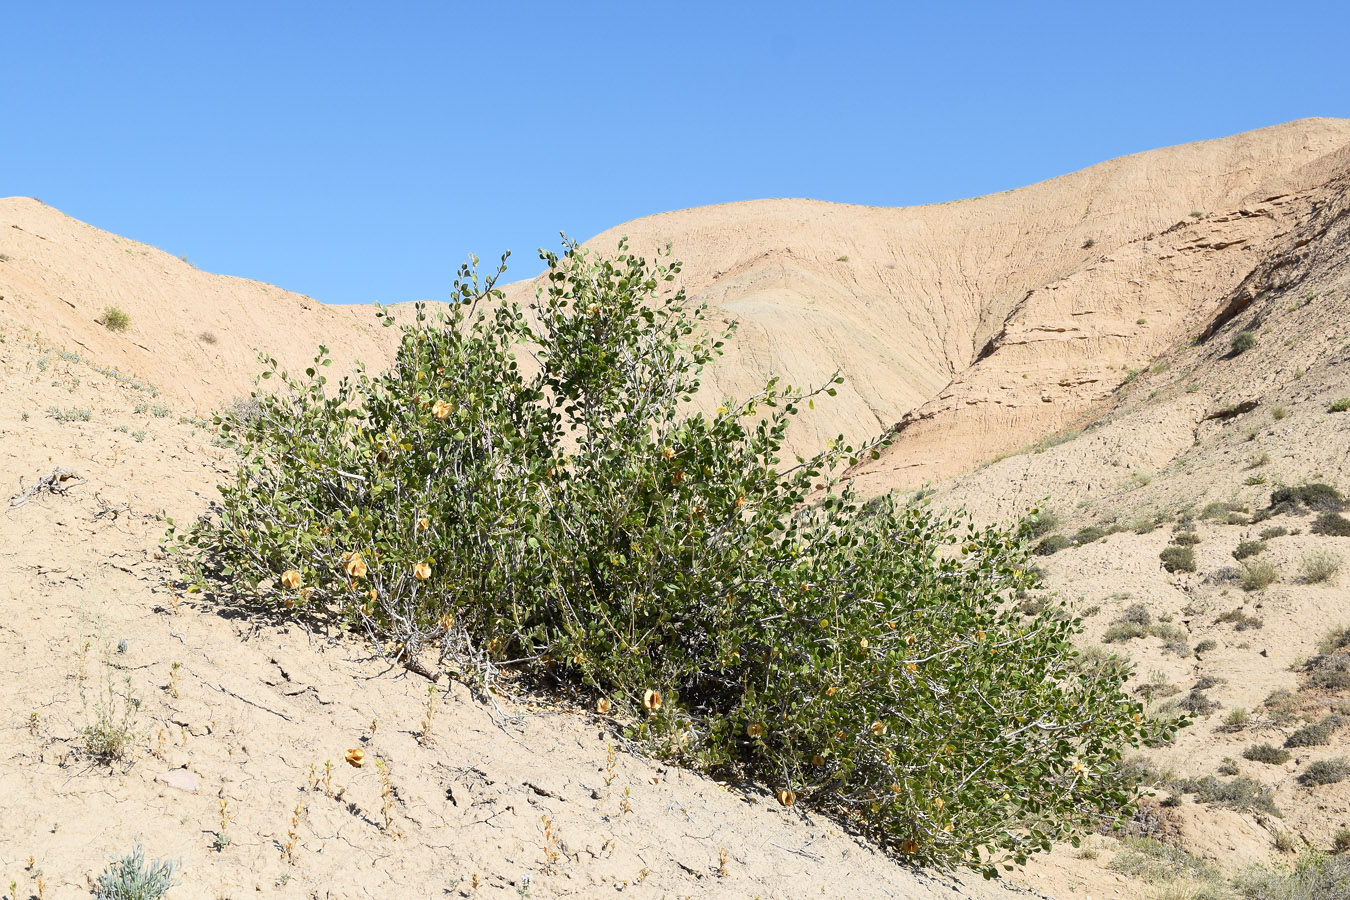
{"x":1257,"y":574}
{"x":115,"y":320}
{"x":1273,"y":532}
{"x":1245,"y":549}
{"x":1178,"y":559}
{"x":1186,"y":539}
{"x":1340,"y":405}
{"x":1325,"y":771}
{"x":1320,"y":565}
{"x":1242,"y":342}
{"x":133,"y":878}
{"x":1052,"y":544}
{"x":580,"y":521}
{"x":1331,"y":523}
{"x":1266,"y":753}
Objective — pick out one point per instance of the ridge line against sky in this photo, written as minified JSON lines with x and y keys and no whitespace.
{"x":356,"y":153}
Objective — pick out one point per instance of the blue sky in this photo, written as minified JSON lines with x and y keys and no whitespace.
{"x":359,"y":152}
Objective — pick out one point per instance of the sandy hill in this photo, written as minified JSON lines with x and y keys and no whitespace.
{"x":1070,"y":340}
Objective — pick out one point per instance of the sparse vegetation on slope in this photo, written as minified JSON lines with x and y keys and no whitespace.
{"x":580,"y":524}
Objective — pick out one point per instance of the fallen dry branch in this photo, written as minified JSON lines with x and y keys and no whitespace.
{"x":54,"y":482}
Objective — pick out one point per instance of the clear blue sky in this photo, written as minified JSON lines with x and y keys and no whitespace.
{"x":360,"y":152}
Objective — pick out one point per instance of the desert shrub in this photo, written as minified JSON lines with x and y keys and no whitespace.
{"x":1206,"y":645}
{"x":1186,"y":539}
{"x":131,"y":877}
{"x":1151,"y":819}
{"x":1283,"y":705}
{"x":1242,"y":342}
{"x":1245,"y":549}
{"x":1286,"y":841}
{"x":1257,"y":574}
{"x":1340,"y":842}
{"x":1220,"y":510}
{"x":1313,"y":877}
{"x":1239,"y":620}
{"x":581,"y":522}
{"x":1089,"y":534}
{"x":1310,"y":735}
{"x":1331,"y":523}
{"x":207,"y":337}
{"x":1328,"y":671}
{"x":1242,"y":794}
{"x":1170,"y":633}
{"x":1118,"y":632}
{"x":1266,"y":753}
{"x":1157,"y":862}
{"x":1325,"y":771}
{"x":1052,"y":544}
{"x":1314,"y":495}
{"x":1198,"y":703}
{"x":1136,"y":613}
{"x":1320,"y":565}
{"x":1339,"y":405}
{"x":1227,"y":766}
{"x":1041,"y":522}
{"x":1273,"y":532}
{"x":1178,"y":559}
{"x":115,"y":319}
{"x":1335,"y":639}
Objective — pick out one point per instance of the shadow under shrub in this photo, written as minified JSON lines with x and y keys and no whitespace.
{"x":580,"y":519}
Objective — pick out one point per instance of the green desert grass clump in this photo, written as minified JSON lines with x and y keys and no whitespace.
{"x":1339,"y":405}
{"x":1242,"y":342}
{"x":115,"y":319}
{"x":580,"y":522}
{"x":1257,"y":574}
{"x":1245,"y":549}
{"x":1321,"y":565}
{"x":1158,"y":862}
{"x":1312,"y":877}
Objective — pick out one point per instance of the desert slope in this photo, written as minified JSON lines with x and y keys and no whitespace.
{"x":193,"y":333}
{"x":906,"y":301}
{"x":922,"y":308}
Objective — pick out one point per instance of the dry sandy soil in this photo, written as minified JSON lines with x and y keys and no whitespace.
{"x":1070,"y":340}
